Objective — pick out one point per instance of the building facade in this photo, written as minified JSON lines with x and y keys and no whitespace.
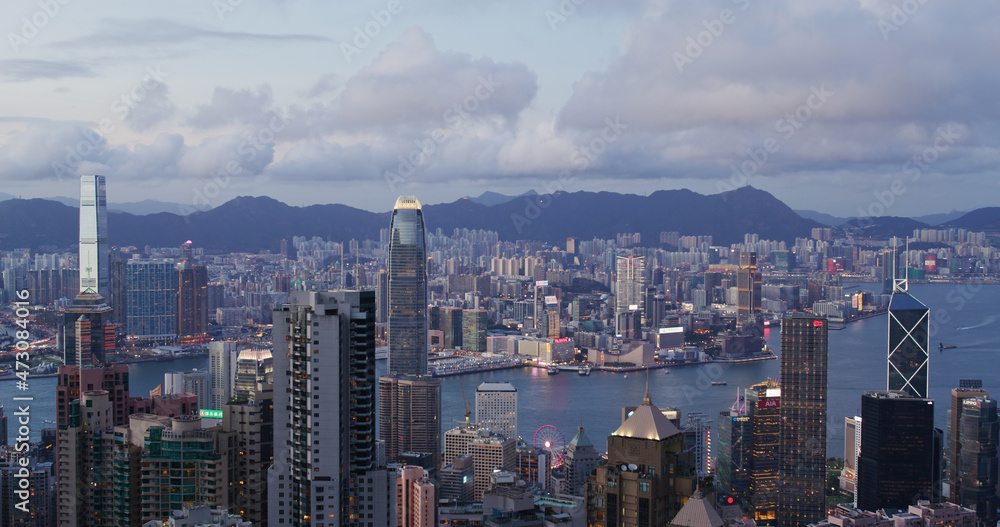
{"x":802,"y":465}
{"x":496,"y":408}
{"x":407,"y":289}
{"x":324,"y":411}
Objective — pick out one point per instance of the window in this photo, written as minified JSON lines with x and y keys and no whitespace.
{"x":643,"y":486}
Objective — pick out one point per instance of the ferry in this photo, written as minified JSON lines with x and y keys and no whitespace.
{"x":719,"y":383}
{"x":584,"y":371}
{"x":553,"y":369}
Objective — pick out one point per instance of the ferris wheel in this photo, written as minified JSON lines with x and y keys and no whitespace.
{"x":552,"y":441}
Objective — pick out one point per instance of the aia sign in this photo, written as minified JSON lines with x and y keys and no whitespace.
{"x":769,"y":403}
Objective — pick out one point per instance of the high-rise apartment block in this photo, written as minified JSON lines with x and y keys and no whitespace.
{"x":410,"y":415}
{"x":496,"y":408}
{"x":630,"y":284}
{"x":324,"y":413}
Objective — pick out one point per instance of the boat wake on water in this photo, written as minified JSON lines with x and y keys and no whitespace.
{"x":987,"y":322}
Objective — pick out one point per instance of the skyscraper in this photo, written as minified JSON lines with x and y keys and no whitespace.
{"x":94,"y":254}
{"x":407,"y":289}
{"x":192,"y":295}
{"x":896,"y":465}
{"x":734,"y":465}
{"x":253,"y":367}
{"x":748,"y":289}
{"x":151,"y":299}
{"x":409,"y":415}
{"x":977,"y":461}
{"x":496,"y":408}
{"x":580,"y":460}
{"x":251,"y":419}
{"x":647,"y":475}
{"x":802,"y":466}
{"x":764,"y":405}
{"x":630,"y":281}
{"x":222,"y":358}
{"x":967,"y":389}
{"x":909,"y":323}
{"x":324,"y":412}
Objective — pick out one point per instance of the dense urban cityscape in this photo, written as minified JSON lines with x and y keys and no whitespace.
{"x":321,"y":403}
{"x":518,"y":263}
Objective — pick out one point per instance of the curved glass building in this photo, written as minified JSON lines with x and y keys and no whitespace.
{"x":407,"y":289}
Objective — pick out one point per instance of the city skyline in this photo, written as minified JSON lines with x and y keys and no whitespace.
{"x":324,"y":95}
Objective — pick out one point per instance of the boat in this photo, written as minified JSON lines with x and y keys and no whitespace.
{"x":941,"y":346}
{"x":719,"y":383}
{"x":584,"y":371}
{"x":552,"y":369}
{"x":666,"y":372}
{"x":626,"y":375}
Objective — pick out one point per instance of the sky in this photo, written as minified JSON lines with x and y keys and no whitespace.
{"x":874,"y":107}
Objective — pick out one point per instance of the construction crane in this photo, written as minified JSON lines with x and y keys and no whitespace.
{"x":468,"y":409}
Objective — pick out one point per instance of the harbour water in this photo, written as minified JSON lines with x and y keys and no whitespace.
{"x":966,"y":316}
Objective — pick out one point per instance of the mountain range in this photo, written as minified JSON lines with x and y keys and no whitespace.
{"x":254,"y":224}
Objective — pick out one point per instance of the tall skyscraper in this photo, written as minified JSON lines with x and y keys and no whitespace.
{"x":84,"y":490}
{"x":630,"y":284}
{"x":909,"y":323}
{"x":967,"y":389}
{"x":251,"y":419}
{"x":802,"y":466}
{"x":253,"y":367}
{"x":496,"y":408}
{"x":222,"y":358}
{"x":764,"y":405}
{"x":86,"y":333}
{"x":409,"y":415}
{"x":94,"y":253}
{"x":734,"y":464}
{"x":192,"y":294}
{"x":407,"y":289}
{"x":977,"y":461}
{"x":324,"y":413}
{"x":151,"y":299}
{"x":896,"y":464}
{"x":747,"y":289}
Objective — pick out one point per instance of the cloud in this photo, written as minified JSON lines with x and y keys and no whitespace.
{"x":699,"y":92}
{"x":327,"y":84}
{"x":115,"y":33}
{"x":412,"y":83}
{"x":23,"y":70}
{"x":230,"y":107}
{"x":155,"y":108}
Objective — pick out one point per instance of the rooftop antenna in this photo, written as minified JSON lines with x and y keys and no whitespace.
{"x":342,"y":282}
{"x":900,"y":285}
